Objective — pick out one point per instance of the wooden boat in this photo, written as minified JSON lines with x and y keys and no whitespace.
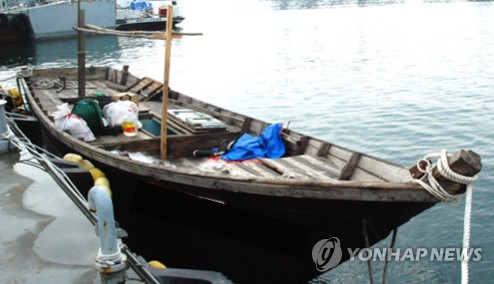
{"x":316,"y":190}
{"x":255,"y":221}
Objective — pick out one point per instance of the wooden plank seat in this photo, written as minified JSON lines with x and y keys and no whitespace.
{"x":177,"y":146}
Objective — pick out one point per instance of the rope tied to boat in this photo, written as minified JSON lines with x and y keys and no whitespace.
{"x":442,"y":165}
{"x":435,"y":189}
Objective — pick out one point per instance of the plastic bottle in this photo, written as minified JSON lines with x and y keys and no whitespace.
{"x":129,"y":126}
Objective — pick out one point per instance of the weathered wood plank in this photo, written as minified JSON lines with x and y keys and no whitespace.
{"x":358,"y":175}
{"x":125,"y":75}
{"x":383,"y":170}
{"x":307,"y":170}
{"x":141,"y":82}
{"x":323,"y":149}
{"x":267,"y":171}
{"x":185,"y":145}
{"x":145,"y":87}
{"x":324,"y":165}
{"x":246,"y":125}
{"x":245,"y":169}
{"x":302,"y":145}
{"x":349,"y":168}
{"x":138,"y":143}
{"x":154,"y":89}
{"x":115,"y":86}
{"x":282,"y":169}
{"x":340,"y":153}
{"x":178,"y":146}
{"x":291,"y":141}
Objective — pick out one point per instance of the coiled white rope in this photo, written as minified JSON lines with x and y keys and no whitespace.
{"x":435,"y":189}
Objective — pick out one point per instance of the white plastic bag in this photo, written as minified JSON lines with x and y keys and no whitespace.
{"x":72,"y":123}
{"x":116,"y":112}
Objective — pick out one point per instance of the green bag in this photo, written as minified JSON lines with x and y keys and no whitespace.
{"x":91,"y":112}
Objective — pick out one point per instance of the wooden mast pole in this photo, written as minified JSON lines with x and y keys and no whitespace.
{"x":164,"y":108}
{"x":81,"y":52}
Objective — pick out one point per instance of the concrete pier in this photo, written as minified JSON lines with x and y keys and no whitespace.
{"x":34,"y":212}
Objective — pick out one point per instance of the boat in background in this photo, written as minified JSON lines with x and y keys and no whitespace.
{"x":14,"y":27}
{"x":53,"y":19}
{"x":145,"y":15}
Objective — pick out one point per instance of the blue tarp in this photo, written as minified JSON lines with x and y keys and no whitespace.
{"x":140,"y":5}
{"x":268,"y":145}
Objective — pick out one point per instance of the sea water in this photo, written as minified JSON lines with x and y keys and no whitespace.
{"x":394,"y":79}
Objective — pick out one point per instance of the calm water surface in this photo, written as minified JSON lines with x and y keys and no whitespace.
{"x":396,"y":80}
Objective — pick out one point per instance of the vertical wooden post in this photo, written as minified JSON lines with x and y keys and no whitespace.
{"x":81,"y":53}
{"x":125,"y":75}
{"x":164,"y":108}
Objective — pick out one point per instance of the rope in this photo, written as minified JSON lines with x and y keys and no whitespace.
{"x":46,"y":84}
{"x":391,"y":247}
{"x":435,"y":189}
{"x":466,"y":235}
{"x":367,"y":245}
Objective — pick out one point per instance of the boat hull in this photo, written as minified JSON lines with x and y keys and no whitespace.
{"x":57,"y":20}
{"x":144,"y":24}
{"x":250,"y":238}
{"x":15,"y":27}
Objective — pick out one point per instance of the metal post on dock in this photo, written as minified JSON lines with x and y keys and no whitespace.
{"x":3,"y":121}
{"x":3,"y":128}
{"x":5,"y":144}
{"x":110,"y":259}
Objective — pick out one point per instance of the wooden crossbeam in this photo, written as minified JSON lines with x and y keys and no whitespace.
{"x":347,"y":170}
{"x":302,"y":145}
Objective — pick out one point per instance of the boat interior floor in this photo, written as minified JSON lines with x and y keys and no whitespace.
{"x":305,"y":158}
